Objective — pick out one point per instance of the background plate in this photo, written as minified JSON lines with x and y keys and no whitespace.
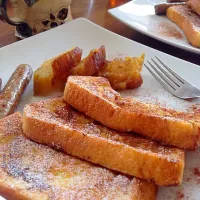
{"x":140,"y":15}
{"x":87,"y":36}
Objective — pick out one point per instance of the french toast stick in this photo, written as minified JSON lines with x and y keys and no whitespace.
{"x":95,"y":97}
{"x":188,"y":21}
{"x":56,"y":124}
{"x":29,"y":171}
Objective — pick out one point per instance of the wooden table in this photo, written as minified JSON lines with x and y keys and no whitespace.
{"x":96,"y":11}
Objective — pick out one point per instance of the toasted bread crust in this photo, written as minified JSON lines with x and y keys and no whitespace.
{"x":53,"y":73}
{"x":64,"y":63}
{"x":56,"y":124}
{"x":95,"y":97}
{"x":90,"y":65}
{"x":29,"y":171}
{"x":188,"y":21}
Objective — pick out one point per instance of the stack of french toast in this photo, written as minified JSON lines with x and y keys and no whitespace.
{"x":91,"y":143}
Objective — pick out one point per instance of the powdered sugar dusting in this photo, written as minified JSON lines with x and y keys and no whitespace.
{"x":48,"y":174}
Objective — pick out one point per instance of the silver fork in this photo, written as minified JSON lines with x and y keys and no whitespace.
{"x":171,"y":81}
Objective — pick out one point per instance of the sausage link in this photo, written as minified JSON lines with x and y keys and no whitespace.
{"x":161,"y":9}
{"x":14,"y":89}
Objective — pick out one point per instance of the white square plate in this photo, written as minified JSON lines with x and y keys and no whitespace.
{"x":140,"y":15}
{"x":87,"y":36}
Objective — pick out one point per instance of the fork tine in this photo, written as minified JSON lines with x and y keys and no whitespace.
{"x":171,"y":71}
{"x":167,"y":87}
{"x":163,"y":77}
{"x":169,"y":76}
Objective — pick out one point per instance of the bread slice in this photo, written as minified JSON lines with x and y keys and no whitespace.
{"x":124,"y":73}
{"x":90,"y":65}
{"x":188,"y":21}
{"x":95,"y":97}
{"x":53,"y":73}
{"x":56,"y":124}
{"x":32,"y":171}
{"x":121,"y":73}
{"x":194,"y":5}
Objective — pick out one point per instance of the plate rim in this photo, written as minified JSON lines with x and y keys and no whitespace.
{"x":116,"y":36}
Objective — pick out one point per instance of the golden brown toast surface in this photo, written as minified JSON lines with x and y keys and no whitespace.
{"x":35,"y":172}
{"x":124,"y":73}
{"x":63,"y":64}
{"x":94,"y":97}
{"x":194,"y":5}
{"x":53,"y":73}
{"x":90,"y":65}
{"x":188,"y":21}
{"x":55,"y":123}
